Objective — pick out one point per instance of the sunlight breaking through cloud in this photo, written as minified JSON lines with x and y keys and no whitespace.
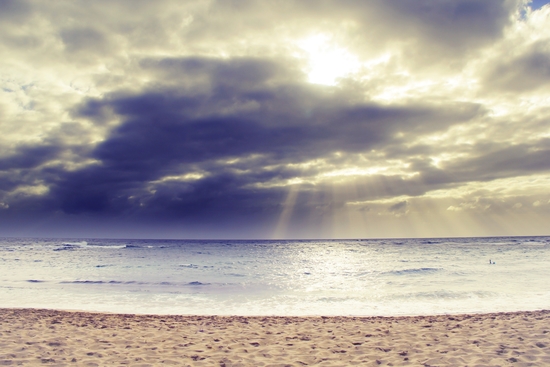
{"x":348,"y":119}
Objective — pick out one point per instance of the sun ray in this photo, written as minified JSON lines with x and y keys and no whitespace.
{"x":281,"y":230}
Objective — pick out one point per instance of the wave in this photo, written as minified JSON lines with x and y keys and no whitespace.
{"x":66,"y":247}
{"x":105,"y":246}
{"x":443,"y":294}
{"x":130,"y":246}
{"x":429,"y":242}
{"x":70,"y":246}
{"x":192,"y":266}
{"x":77,"y":244}
{"x":99,"y":282}
{"x":197,"y":283}
{"x":131,"y":282}
{"x":413,"y":271}
{"x":334,"y":299}
{"x":534,"y":243}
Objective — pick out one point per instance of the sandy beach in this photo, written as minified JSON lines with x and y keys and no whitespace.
{"x":60,"y":338}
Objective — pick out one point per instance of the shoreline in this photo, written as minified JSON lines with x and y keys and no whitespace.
{"x":366,"y":316}
{"x":56,"y":337}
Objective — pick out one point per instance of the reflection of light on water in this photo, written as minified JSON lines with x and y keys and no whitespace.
{"x":371,"y":277}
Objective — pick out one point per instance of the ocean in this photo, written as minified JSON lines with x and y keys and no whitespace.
{"x":383,"y":277}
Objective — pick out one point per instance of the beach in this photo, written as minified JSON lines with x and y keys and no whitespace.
{"x":60,"y":338}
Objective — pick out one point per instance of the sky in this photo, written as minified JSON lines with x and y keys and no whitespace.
{"x":274,"y":119}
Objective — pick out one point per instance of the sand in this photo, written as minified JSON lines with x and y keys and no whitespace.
{"x":61,"y":338}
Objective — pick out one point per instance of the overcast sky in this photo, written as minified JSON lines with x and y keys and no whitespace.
{"x":274,"y":119}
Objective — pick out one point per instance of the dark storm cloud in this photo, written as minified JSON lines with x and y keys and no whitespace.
{"x":505,"y":161}
{"x":481,"y":162}
{"x":222,"y":195}
{"x":28,"y":157}
{"x":232,"y":109}
{"x":211,"y":120}
{"x":20,"y":167}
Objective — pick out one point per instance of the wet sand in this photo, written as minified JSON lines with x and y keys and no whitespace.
{"x":61,"y":338}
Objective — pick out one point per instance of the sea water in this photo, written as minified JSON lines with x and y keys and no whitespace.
{"x":313,"y":277}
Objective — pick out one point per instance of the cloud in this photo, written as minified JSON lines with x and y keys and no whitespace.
{"x":28,"y":157}
{"x":14,"y":10}
{"x":206,"y":113}
{"x":399,"y":208}
{"x":525,"y":72}
{"x":442,"y":26}
{"x":79,"y":39}
{"x":167,"y":131}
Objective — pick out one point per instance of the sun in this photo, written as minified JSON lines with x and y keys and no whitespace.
{"x":327,"y":62}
